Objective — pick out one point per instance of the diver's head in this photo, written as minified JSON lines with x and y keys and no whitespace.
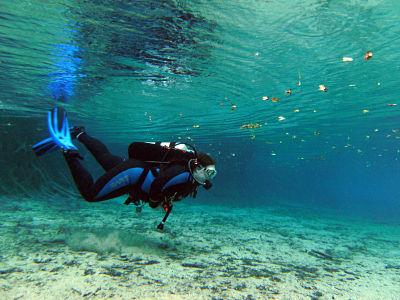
{"x":203,"y":169}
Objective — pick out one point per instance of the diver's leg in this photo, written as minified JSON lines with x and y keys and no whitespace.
{"x":116,"y":182}
{"x":83,"y":179}
{"x":99,"y":151}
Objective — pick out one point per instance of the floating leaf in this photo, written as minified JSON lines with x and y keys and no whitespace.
{"x":347,"y":59}
{"x":299,"y":81}
{"x":322,"y":88}
{"x":368,"y":55}
{"x":274,"y":99}
{"x":250,"y":126}
{"x":281,"y":118}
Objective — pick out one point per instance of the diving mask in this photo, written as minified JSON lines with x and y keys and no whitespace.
{"x":210,"y":172}
{"x":202,"y":174}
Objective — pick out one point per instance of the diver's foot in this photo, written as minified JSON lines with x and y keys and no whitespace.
{"x":71,"y":154}
{"x":76,"y":131}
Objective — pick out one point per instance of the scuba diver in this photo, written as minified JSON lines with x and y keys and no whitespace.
{"x":155,"y":173}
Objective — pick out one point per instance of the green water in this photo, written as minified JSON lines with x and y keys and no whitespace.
{"x":320,"y":170}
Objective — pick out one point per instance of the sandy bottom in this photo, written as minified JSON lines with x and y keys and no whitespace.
{"x":77,"y":250}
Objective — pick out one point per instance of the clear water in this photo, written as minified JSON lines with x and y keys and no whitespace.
{"x":197,"y":71}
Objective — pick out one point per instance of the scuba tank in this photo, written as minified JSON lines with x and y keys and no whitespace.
{"x":162,"y":152}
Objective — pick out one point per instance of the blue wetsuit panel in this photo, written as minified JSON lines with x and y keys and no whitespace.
{"x":125,"y":178}
{"x":179,"y":179}
{"x":147,"y":182}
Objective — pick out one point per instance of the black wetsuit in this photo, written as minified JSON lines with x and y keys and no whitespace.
{"x":143,"y":180}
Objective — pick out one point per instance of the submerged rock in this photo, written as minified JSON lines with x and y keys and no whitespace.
{"x":42,"y":260}
{"x":70,"y":263}
{"x":240,"y":286}
{"x":56,"y":269}
{"x":112,"y":272}
{"x":396,"y":267}
{"x":320,"y":254}
{"x":194,"y":265}
{"x":262,"y":287}
{"x":10,"y":270}
{"x":147,"y":263}
{"x":89,"y":272}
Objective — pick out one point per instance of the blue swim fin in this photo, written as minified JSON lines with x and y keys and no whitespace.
{"x":45,"y":146}
{"x":57,"y":124}
{"x":59,"y":130}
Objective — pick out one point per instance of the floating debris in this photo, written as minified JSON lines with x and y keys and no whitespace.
{"x":299,"y":81}
{"x":288,"y":92}
{"x":281,"y":118}
{"x":274,"y":99}
{"x":352,"y":85}
{"x":273,"y":153}
{"x":392,"y":104}
{"x":233,"y":107}
{"x":296,"y":110}
{"x":322,"y":88}
{"x":317,"y":132}
{"x":368,"y":55}
{"x":265,"y":98}
{"x":347,"y":59}
{"x":365,"y":111}
{"x":250,"y":126}
{"x":196,"y":126}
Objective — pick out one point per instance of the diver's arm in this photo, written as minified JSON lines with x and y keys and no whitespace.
{"x":172,"y":184}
